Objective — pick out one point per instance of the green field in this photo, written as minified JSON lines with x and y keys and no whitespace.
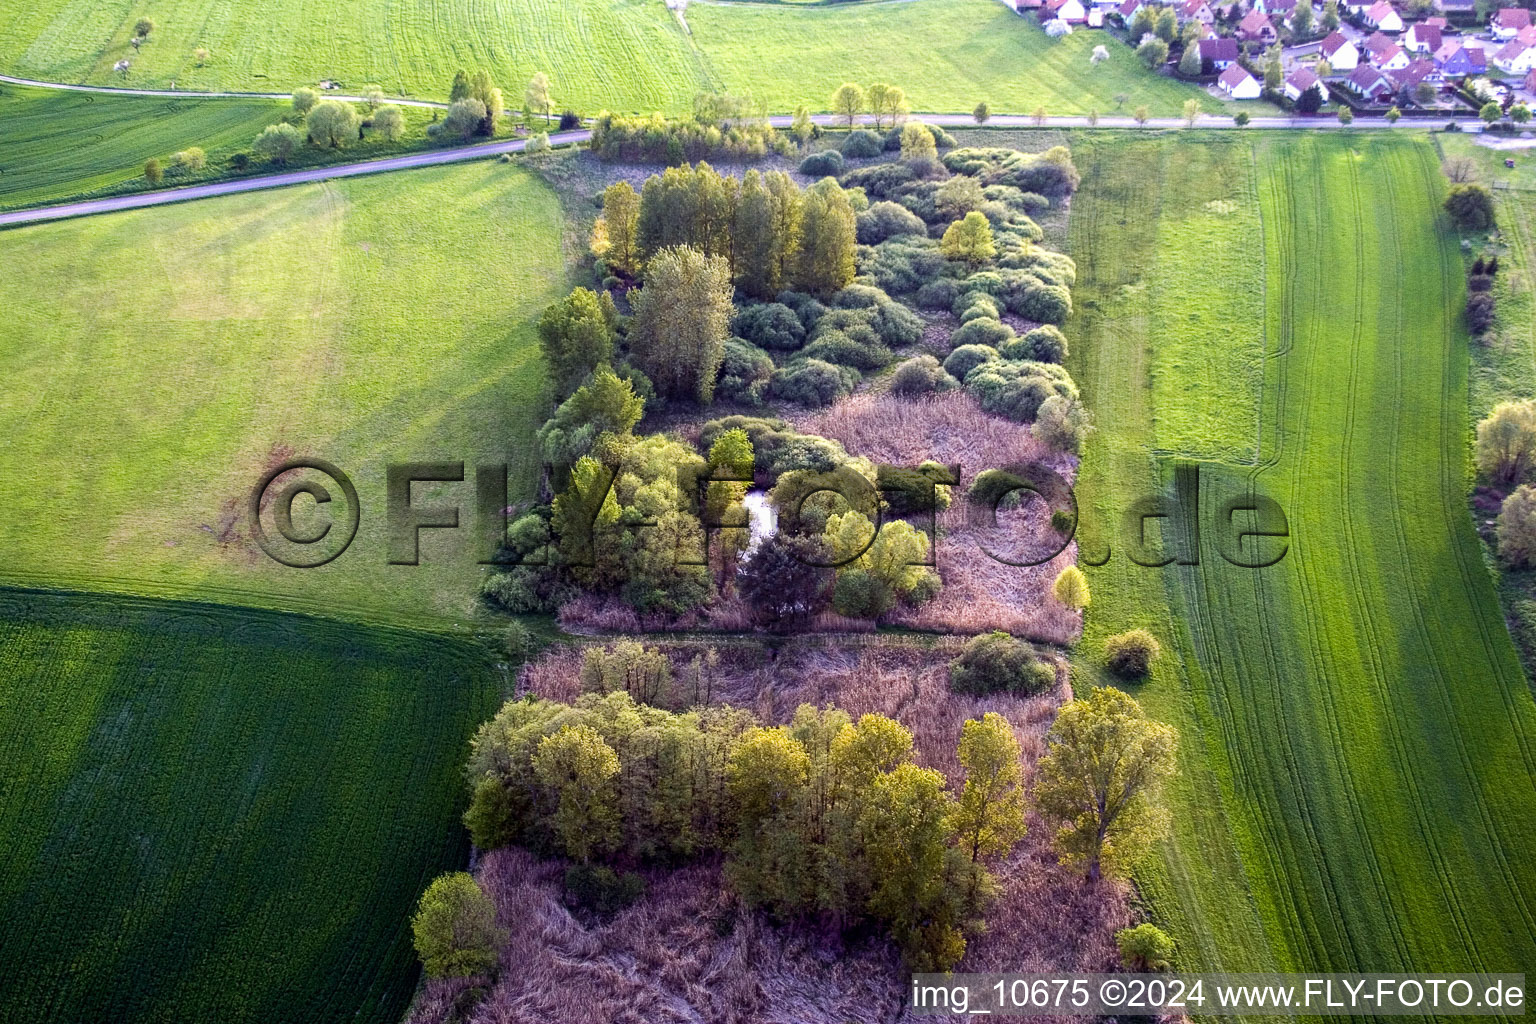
{"x":1357,"y":787}
{"x":157,"y":361}
{"x":622,"y":55}
{"x":218,"y":814}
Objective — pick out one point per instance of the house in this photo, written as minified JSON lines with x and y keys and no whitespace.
{"x":1515,"y":57}
{"x":1509,"y":21}
{"x":1357,"y":6}
{"x":1256,"y":28}
{"x":1237,"y":83}
{"x":1371,"y":84}
{"x":1070,"y":11}
{"x":1340,"y":53}
{"x":1410,"y":78}
{"x":1422,"y":38}
{"x":1128,"y":8}
{"x":1392,"y":58}
{"x":1222,"y":53}
{"x":1299,"y":81}
{"x":1375,"y":44}
{"x":1280,"y":9}
{"x":1383,"y":17}
{"x":1466,"y":60}
{"x":1196,"y":10}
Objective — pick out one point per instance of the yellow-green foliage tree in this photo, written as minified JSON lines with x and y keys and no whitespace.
{"x":1071,"y":588}
{"x":682,"y":318}
{"x":1098,"y":781}
{"x":455,"y":928}
{"x":620,"y":228}
{"x":578,"y":769}
{"x":969,"y":239}
{"x":825,"y":256}
{"x":574,"y":338}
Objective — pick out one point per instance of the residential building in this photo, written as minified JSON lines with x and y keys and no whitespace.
{"x":1339,"y":52}
{"x":1239,"y":84}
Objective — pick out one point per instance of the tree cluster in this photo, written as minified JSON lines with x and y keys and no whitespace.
{"x":659,"y":140}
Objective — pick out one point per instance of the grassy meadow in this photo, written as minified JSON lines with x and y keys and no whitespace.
{"x":220,"y":814}
{"x":156,"y":362}
{"x":620,"y":55}
{"x":1357,"y":732}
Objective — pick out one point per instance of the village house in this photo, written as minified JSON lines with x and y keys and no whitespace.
{"x":1410,"y":78}
{"x":1383,"y":17}
{"x":1465,"y":60}
{"x":1070,"y":11}
{"x":1221,"y":53}
{"x":1256,"y":28}
{"x":1422,"y":37}
{"x":1385,"y":53}
{"x":1507,"y":22}
{"x":1515,"y":57}
{"x":1237,"y":83}
{"x":1371,"y":84}
{"x":1196,"y":10}
{"x":1299,"y":81}
{"x":1339,"y":52}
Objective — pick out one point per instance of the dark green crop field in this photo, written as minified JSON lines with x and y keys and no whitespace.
{"x":219,"y":814}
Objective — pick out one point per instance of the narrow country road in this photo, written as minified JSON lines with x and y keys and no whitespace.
{"x":480,"y":152}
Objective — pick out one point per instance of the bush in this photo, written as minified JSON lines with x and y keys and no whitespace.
{"x":600,"y":890}
{"x":861,"y":350}
{"x":770,"y":325}
{"x":190,"y":160}
{"x":1479,"y":283}
{"x":239,"y":161}
{"x":806,"y":306}
{"x":1050,"y":173}
{"x":997,"y":663}
{"x":993,"y":334}
{"x":1130,"y":655}
{"x":1480,"y":308}
{"x":886,"y":219}
{"x":992,"y":486}
{"x":152,"y":171}
{"x":976,"y":303}
{"x":1017,"y":389}
{"x":966,"y":358}
{"x":1145,"y":947}
{"x":455,"y":928}
{"x":904,"y":264}
{"x":879,"y":180}
{"x":826,"y":164}
{"x":1061,"y":424}
{"x":1043,"y":344}
{"x":570,"y":121}
{"x":812,"y":383}
{"x":1470,"y":206}
{"x":862,"y":143}
{"x":910,"y":492}
{"x":1046,"y":303}
{"x":859,"y":594}
{"x":940,"y":294}
{"x":744,"y":373}
{"x":921,"y":375}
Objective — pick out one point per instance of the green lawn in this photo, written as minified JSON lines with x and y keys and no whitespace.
{"x":1358,"y":734}
{"x":218,"y":814}
{"x":156,"y":362}
{"x":622,"y":55}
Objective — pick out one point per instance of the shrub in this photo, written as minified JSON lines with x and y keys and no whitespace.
{"x":744,"y":373}
{"x":570,"y":121}
{"x":879,"y":180}
{"x":1061,"y":424}
{"x":860,"y":350}
{"x":921,"y":375}
{"x":601,"y":890}
{"x":190,"y":160}
{"x":1050,"y":173}
{"x":826,"y":164}
{"x":239,"y":161}
{"x":455,"y":928}
{"x":997,"y":663}
{"x":1071,"y":588}
{"x":886,"y":219}
{"x":812,"y":383}
{"x":1017,"y":389}
{"x":1505,"y":451}
{"x":859,"y":594}
{"x":1480,"y":307}
{"x":1130,"y":655}
{"x":806,"y":306}
{"x":1479,"y":283}
{"x":1470,"y":206}
{"x":862,"y":143}
{"x":909,"y":492}
{"x":904,"y":264}
{"x":966,"y":358}
{"x":152,"y":171}
{"x":992,"y":486}
{"x":940,"y":294}
{"x":770,"y":325}
{"x":1043,"y":345}
{"x":985,"y":331}
{"x":1145,"y":947}
{"x":1046,"y":303}
{"x":976,"y":303}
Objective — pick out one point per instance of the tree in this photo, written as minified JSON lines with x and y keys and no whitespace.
{"x":1516,"y":528}
{"x":989,"y":816}
{"x":373,"y":96}
{"x":1143,"y":24}
{"x":1459,"y":169}
{"x":189,"y":160}
{"x":1470,"y":206}
{"x":766,"y":232}
{"x":1190,"y":64}
{"x":876,"y":96}
{"x":1098,"y":779}
{"x":1153,"y":53}
{"x":1241,"y":119}
{"x":784,"y":582}
{"x":802,"y":128}
{"x":917,"y":145}
{"x":1301,"y":21}
{"x":1310,"y":101}
{"x":1191,"y":112}
{"x":536,"y":96}
{"x":578,"y":769}
{"x":460,"y":89}
{"x":628,"y":666}
{"x":1520,"y":113}
{"x":455,"y":928}
{"x":969,"y":240}
{"x":1039,"y":116}
{"x":1145,"y":947}
{"x":893,"y":103}
{"x":1346,"y":116}
{"x":332,"y":123}
{"x":483,"y":89}
{"x":1071,"y":588}
{"x":277,"y":142}
{"x":621,"y":227}
{"x":1491,"y":113}
{"x":143,"y":27}
{"x":606,"y":404}
{"x":682,"y":318}
{"x":848,"y":101}
{"x":1274,"y":75}
{"x":304,"y":100}
{"x":1425,"y":93}
{"x":1130,"y":655}
{"x":1330,"y":20}
{"x":464,"y":118}
{"x":982,"y":112}
{"x":389,"y":122}
{"x":152,"y":171}
{"x":824,"y":260}
{"x":1392,"y":115}
{"x":1167,"y":25}
{"x":1141,"y":115}
{"x":1093,"y":117}
{"x":1505,"y":451}
{"x":574,"y":337}
{"x":874,"y":569}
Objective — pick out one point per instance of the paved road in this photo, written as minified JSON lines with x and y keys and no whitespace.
{"x":445,"y":156}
